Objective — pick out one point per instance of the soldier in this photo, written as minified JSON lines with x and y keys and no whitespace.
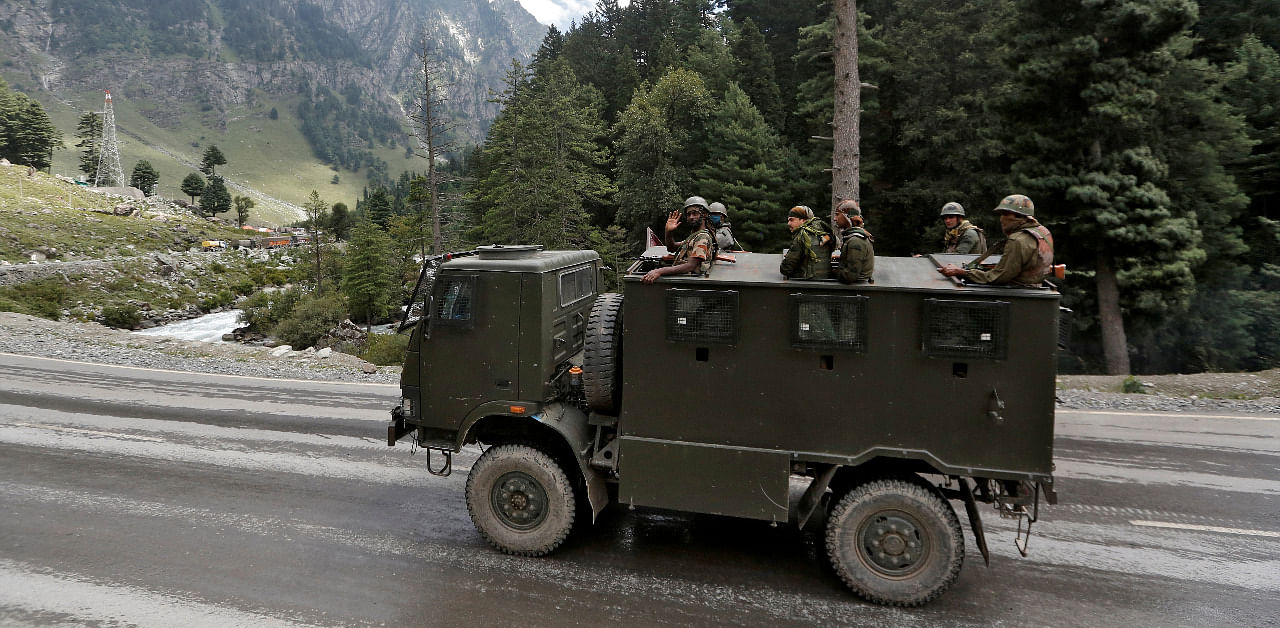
{"x":695,"y":253}
{"x":809,"y":256}
{"x":857,"y":255}
{"x":1028,"y":251}
{"x":962,"y":236}
{"x":724,"y":232}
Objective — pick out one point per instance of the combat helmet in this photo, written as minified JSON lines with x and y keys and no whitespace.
{"x":849,"y":206}
{"x":1018,"y":204}
{"x":952,"y":209}
{"x":718,"y":208}
{"x":697,"y":201}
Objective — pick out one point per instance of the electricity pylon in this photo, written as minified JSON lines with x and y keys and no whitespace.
{"x":109,"y":171}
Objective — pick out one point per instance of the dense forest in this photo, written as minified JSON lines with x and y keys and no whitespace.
{"x":1146,"y":132}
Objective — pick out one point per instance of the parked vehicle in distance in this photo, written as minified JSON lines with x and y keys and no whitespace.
{"x":885,"y":401}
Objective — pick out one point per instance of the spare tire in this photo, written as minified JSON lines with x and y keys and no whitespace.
{"x":602,"y":355}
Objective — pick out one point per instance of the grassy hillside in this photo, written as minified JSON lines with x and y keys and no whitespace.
{"x":116,"y":273}
{"x":268,"y":160}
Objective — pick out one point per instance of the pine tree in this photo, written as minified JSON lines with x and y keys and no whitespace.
{"x":744,"y":171}
{"x":27,"y":136}
{"x":211,"y":160}
{"x":340,"y":221}
{"x":377,"y":207}
{"x":216,"y":199}
{"x":366,"y":281}
{"x":543,"y":163}
{"x":754,"y":73}
{"x":1080,"y":120}
{"x":144,"y":177}
{"x":314,"y":208}
{"x":89,"y":131}
{"x":661,"y":139}
{"x":193,"y":185}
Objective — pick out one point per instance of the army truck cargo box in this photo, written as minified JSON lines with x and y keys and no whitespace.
{"x":864,"y":408}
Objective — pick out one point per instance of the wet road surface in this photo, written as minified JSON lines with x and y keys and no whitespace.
{"x":137,"y":497}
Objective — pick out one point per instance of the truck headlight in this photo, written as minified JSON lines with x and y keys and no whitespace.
{"x":407,"y":404}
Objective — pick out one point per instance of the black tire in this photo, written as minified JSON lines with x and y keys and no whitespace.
{"x":895,"y":542}
{"x":602,"y":355}
{"x":520,"y":500}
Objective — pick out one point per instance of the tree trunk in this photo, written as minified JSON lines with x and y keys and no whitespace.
{"x":1115,"y":346}
{"x":848,"y":105}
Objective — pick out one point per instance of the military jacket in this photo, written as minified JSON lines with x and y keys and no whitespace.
{"x":857,"y":257}
{"x":809,"y":256}
{"x":1026,"y":258}
{"x":700,"y":244}
{"x":965,"y":238}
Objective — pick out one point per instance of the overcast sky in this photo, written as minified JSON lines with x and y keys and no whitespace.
{"x":559,"y":12}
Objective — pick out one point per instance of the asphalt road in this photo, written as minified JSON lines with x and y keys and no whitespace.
{"x":137,"y":497}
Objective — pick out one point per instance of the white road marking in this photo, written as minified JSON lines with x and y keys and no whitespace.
{"x":112,"y":603}
{"x":1175,"y":415}
{"x":73,"y":430}
{"x":1200,"y":528}
{"x":141,"y":368}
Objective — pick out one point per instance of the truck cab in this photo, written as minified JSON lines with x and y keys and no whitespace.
{"x":886,"y":401}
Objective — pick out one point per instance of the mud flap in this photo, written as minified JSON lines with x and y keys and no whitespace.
{"x":975,"y":520}
{"x":813,"y":495}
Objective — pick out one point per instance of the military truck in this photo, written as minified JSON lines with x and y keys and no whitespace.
{"x":866,"y":408}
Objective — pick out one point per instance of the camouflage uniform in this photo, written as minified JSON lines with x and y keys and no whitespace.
{"x":700,"y":244}
{"x":965,"y":238}
{"x":810,"y":254}
{"x":857,"y":256}
{"x":1025,"y":260}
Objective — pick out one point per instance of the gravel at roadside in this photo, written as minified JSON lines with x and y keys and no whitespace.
{"x":90,"y":342}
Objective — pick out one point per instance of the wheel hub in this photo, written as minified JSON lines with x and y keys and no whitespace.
{"x":892,"y":543}
{"x":519,"y":501}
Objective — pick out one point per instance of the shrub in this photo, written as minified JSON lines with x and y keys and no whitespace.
{"x":262,"y":311}
{"x":1132,"y":385}
{"x":124,"y":316}
{"x":42,"y":297}
{"x":223,"y":298}
{"x":217,"y":267}
{"x":386,"y":349}
{"x":311,"y":318}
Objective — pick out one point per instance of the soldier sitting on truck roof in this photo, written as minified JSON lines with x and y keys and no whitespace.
{"x":857,"y":255}
{"x":962,"y":236}
{"x":809,"y":256}
{"x":724,"y":230}
{"x":1028,"y":251}
{"x":698,"y":251}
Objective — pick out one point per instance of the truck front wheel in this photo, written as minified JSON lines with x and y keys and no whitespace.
{"x":895,"y":542}
{"x":520,"y":500}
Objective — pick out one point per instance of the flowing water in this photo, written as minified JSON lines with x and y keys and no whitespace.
{"x":207,"y":328}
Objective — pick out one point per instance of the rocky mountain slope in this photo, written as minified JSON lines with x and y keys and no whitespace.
{"x":184,"y":74}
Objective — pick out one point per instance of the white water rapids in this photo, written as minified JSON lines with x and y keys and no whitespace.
{"x":207,"y":328}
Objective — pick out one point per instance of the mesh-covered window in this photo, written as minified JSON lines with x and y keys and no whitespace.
{"x":707,"y":316}
{"x":966,"y":329}
{"x":829,"y":322}
{"x":454,"y":301}
{"x":576,"y":285}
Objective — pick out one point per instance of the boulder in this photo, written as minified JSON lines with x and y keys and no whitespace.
{"x":281,"y":350}
{"x":324,"y":353}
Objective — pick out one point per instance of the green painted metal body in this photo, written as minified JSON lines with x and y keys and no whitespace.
{"x":717,"y":424}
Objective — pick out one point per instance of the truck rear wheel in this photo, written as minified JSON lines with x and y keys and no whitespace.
{"x":895,"y":542}
{"x":602,"y":355}
{"x":520,"y":500}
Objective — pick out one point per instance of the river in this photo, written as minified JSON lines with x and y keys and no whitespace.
{"x":207,"y":328}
